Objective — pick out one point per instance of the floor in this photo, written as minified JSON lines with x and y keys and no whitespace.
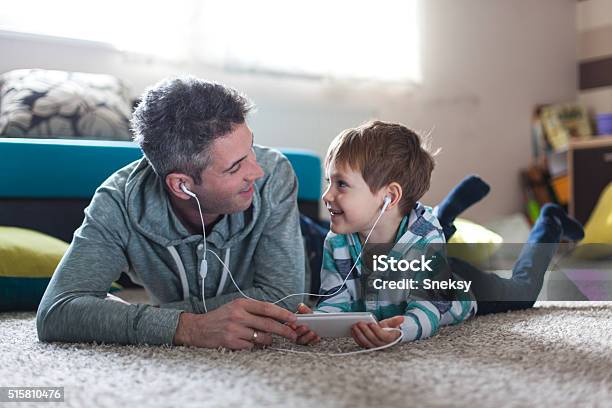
{"x":557,"y":354}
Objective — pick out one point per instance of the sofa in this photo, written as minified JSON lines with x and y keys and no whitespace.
{"x":47,"y":183}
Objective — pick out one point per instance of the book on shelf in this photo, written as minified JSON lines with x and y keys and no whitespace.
{"x":556,"y":163}
{"x":562,"y":123}
{"x":538,"y":140}
{"x":553,"y":127}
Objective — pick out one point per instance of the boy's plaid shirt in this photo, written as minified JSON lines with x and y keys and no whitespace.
{"x":419,"y":234}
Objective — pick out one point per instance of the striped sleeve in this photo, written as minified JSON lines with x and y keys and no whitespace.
{"x":336,"y":258}
{"x":421,"y":320}
{"x":459,"y":311}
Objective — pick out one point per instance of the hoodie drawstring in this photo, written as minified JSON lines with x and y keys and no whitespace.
{"x":181,"y":269}
{"x":183,"y":274}
{"x":224,"y":272}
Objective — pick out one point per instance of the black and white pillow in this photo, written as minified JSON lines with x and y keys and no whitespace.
{"x":58,"y":104}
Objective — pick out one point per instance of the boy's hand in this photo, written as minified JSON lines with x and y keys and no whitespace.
{"x":371,"y":335}
{"x":304,"y":334}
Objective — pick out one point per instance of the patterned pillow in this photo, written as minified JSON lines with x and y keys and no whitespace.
{"x":58,"y":104}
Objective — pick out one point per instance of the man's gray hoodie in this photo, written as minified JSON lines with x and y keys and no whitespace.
{"x":131,"y":226}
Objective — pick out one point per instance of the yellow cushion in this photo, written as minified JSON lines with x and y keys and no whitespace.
{"x":478,"y":242}
{"x":29,"y":254}
{"x":27,"y":262}
{"x":597,"y":242}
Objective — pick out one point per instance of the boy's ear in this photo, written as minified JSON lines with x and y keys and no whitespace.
{"x":394,"y":191}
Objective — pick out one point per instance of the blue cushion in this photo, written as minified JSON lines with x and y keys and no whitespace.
{"x":21,"y":293}
{"x":45,"y":168}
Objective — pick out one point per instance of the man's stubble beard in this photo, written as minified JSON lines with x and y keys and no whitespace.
{"x":224,"y":207}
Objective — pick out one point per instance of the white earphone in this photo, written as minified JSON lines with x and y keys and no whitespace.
{"x":204,"y":263}
{"x":386,"y":202}
{"x":204,"y":271}
{"x":186,"y":191}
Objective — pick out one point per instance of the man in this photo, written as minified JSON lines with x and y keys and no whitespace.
{"x":145,"y":220}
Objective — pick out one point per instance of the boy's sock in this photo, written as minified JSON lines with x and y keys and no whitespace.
{"x":572,"y":230}
{"x":469,"y":191}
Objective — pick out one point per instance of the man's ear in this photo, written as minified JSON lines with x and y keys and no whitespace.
{"x":173,"y":185}
{"x":394,"y":191}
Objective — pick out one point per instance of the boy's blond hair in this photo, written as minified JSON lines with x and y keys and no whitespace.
{"x":383,"y":153}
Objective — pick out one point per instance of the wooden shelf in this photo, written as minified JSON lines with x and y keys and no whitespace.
{"x":590,"y":171}
{"x":596,"y":141}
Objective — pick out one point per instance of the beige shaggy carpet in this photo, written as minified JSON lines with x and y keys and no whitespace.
{"x":557,"y":355}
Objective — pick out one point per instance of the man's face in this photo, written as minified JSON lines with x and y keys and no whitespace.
{"x":227,"y":182}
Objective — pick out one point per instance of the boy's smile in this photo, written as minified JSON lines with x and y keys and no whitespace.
{"x":335,"y":213}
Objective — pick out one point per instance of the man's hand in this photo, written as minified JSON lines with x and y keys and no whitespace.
{"x":305,"y":335}
{"x":371,"y":335}
{"x":232,"y":326}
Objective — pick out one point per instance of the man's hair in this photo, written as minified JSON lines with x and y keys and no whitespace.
{"x":384,"y":153}
{"x":178,"y":119}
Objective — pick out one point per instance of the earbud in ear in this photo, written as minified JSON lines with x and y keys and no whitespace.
{"x":386,"y":202}
{"x":186,"y":190}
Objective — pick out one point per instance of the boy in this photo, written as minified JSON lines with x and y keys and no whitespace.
{"x":363,"y":166}
{"x":383,"y":164}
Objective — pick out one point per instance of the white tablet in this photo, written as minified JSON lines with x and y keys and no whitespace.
{"x":334,"y":324}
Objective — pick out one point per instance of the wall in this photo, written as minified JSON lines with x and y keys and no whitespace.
{"x":486,"y":63}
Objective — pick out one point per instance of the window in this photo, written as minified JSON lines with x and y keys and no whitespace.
{"x":154,"y":27}
{"x":355,"y":39}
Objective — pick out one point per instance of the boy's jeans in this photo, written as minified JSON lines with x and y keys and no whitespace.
{"x":520,"y":291}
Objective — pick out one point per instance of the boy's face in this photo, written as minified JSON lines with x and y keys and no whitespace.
{"x":352,"y":206}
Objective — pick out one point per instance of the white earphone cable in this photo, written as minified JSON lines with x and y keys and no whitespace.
{"x":204,"y":270}
{"x":348,"y":353}
{"x":204,"y":263}
{"x":305,"y":293}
